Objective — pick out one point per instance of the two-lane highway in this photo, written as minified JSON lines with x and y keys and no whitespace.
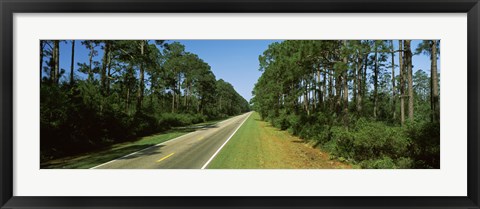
{"x":193,"y":150}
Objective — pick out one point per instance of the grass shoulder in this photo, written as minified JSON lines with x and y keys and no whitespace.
{"x":258,"y":145}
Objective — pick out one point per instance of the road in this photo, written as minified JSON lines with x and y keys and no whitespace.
{"x":194,"y":150}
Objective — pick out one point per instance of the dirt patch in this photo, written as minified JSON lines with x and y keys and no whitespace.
{"x":282,"y":150}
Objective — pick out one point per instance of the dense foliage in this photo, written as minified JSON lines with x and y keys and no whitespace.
{"x":345,"y":97}
{"x":138,"y":87}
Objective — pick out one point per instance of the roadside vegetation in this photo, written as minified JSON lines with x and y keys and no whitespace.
{"x":122,"y":91}
{"x":258,"y":145}
{"x":363,"y":101}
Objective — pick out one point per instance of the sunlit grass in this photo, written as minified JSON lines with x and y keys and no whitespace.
{"x":258,"y":145}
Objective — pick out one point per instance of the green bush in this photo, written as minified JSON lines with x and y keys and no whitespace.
{"x":371,"y":144}
{"x":295,"y":124}
{"x":373,"y":140}
{"x":425,"y":147}
{"x":168,"y":120}
{"x":281,"y":121}
{"x":344,"y":142}
{"x":404,"y":162}
{"x":381,"y":163}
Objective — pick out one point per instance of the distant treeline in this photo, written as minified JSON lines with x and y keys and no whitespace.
{"x":345,"y":97}
{"x":138,"y":87}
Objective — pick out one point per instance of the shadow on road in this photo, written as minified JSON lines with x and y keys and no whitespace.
{"x":145,"y":152}
{"x":94,"y":158}
{"x":115,"y":151}
{"x":195,"y":128}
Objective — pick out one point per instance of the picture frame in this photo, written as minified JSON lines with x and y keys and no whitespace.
{"x":9,"y":8}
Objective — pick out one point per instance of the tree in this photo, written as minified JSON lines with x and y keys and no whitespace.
{"x":72,"y":63}
{"x":375,"y":80}
{"x":392,"y":50}
{"x":434,"y":83}
{"x":105,"y":63}
{"x":421,"y":86}
{"x":141,"y":84}
{"x":402,"y":81}
{"x":429,"y":47}
{"x":43,"y":44}
{"x":408,"y":63}
{"x":345,"y":83}
{"x":54,"y":63}
{"x":90,"y":45}
{"x":173,"y":54}
{"x":206,"y":91}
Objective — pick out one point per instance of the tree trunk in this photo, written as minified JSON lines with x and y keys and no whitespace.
{"x":72,"y":63}
{"x":330,"y":84}
{"x":103,"y":73}
{"x":338,"y":93}
{"x":109,"y":67}
{"x":393,"y":81}
{"x":186,"y":95}
{"x":173,"y":100}
{"x":56,"y":58}
{"x":320,"y":90}
{"x":375,"y":83}
{"x":127,"y":100}
{"x":364,"y":79}
{"x":41,"y":59}
{"x":408,"y":60}
{"x":402,"y":82}
{"x":331,"y":91}
{"x":315,"y":91}
{"x":305,"y":97}
{"x":142,"y":77}
{"x":90,"y":60}
{"x":190,"y":101}
{"x":174,"y":89}
{"x":355,"y":67}
{"x":127,"y":82}
{"x":345,"y":87}
{"x":360,"y":86}
{"x":434,"y":83}
{"x":179,"y":90}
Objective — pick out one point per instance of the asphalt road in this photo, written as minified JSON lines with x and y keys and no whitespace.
{"x":191,"y":151}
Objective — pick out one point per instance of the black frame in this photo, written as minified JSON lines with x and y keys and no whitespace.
{"x":9,"y":7}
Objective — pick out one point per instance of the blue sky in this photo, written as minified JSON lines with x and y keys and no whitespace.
{"x":235,"y":61}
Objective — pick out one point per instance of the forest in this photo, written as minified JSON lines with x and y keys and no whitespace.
{"x":124,"y":90}
{"x":347,"y":98}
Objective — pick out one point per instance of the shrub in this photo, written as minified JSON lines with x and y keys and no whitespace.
{"x":375,"y":139}
{"x":295,"y":124}
{"x":371,"y":144}
{"x":281,"y":121}
{"x":425,"y":146}
{"x":168,"y":120}
{"x":404,"y":162}
{"x":382,"y":163}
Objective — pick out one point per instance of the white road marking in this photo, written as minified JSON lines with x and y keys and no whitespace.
{"x":215,"y":154}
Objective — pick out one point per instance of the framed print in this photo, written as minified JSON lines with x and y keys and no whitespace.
{"x":265,"y":104}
